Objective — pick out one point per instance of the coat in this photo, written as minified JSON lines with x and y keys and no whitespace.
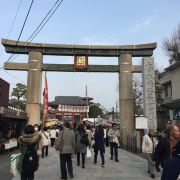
{"x":171,"y":169}
{"x":66,"y":139}
{"x":112,"y":134}
{"x":24,"y":141}
{"x":99,"y":142}
{"x":162,"y":151}
{"x":45,"y":138}
{"x":147,"y":145}
{"x":81,"y":148}
{"x":89,"y":133}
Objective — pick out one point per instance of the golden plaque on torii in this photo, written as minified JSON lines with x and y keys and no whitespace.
{"x":80,"y":62}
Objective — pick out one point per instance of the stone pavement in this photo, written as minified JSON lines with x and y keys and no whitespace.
{"x":130,"y":167}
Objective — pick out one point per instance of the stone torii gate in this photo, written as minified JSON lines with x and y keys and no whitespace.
{"x":125,"y":69}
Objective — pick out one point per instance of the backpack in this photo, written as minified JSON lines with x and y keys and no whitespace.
{"x":30,"y":160}
{"x":57,"y":133}
{"x":84,"y":139}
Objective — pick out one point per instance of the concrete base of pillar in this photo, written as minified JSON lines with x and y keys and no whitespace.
{"x":33,"y":112}
{"x":127,"y":119}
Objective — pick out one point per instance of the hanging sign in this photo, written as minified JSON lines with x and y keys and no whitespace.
{"x":80,"y":62}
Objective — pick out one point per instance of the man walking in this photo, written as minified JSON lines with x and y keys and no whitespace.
{"x":147,"y":149}
{"x":66,"y":146}
{"x":114,"y":135}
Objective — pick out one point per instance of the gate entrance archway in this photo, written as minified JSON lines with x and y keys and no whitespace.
{"x":125,"y":68}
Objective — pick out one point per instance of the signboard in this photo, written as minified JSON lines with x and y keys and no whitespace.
{"x":176,"y":114}
{"x":141,"y":123}
{"x":67,"y":108}
{"x":80,"y":62}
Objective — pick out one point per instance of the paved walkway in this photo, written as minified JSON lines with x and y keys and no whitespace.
{"x":130,"y":167}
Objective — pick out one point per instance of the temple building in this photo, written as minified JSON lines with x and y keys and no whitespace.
{"x":69,"y":108}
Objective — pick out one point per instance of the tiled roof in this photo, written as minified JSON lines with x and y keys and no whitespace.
{"x":68,"y":100}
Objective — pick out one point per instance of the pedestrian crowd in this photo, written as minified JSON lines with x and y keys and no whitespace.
{"x":161,"y":149}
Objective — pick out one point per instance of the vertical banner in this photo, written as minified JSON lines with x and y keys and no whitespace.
{"x":46,"y":99}
{"x":86,"y":92}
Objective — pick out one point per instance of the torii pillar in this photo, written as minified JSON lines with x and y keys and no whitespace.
{"x":34,"y":83}
{"x":126,"y":97}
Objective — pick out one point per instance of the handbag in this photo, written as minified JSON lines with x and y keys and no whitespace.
{"x":92,"y":143}
{"x":14,"y":161}
{"x":88,"y":153}
{"x":115,"y":140}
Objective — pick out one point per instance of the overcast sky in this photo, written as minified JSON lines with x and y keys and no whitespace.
{"x":103,"y":22}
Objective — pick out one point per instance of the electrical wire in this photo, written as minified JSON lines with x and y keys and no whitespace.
{"x":43,"y":20}
{"x":14,"y":19}
{"x":39,"y":27}
{"x":25,"y":21}
{"x":32,"y":37}
{"x":10,"y":30}
{"x":14,"y":76}
{"x":9,"y":59}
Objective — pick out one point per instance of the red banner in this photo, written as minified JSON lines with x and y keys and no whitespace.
{"x":46,"y":99}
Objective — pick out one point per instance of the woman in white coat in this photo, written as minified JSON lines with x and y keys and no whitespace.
{"x":46,"y":141}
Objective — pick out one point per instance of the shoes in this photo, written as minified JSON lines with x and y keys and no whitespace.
{"x":149,"y":172}
{"x":63,"y":177}
{"x":102,"y":165}
{"x":152,"y":176}
{"x":78,"y":164}
{"x":83,"y":167}
{"x":157,"y":169}
{"x":111,"y":158}
{"x":95,"y":162}
{"x":71,"y":175}
{"x":116,"y":160}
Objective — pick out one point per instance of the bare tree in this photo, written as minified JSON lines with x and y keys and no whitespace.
{"x":171,"y":46}
{"x":137,"y":95}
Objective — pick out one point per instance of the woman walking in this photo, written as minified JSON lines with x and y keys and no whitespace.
{"x":81,"y":144}
{"x":28,"y":161}
{"x":90,"y":134}
{"x":99,"y":144}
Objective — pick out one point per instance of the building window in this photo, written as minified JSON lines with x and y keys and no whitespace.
{"x":168,"y":89}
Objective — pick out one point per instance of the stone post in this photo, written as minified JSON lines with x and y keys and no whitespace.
{"x":149,"y":96}
{"x":126,"y":97}
{"x":33,"y":104}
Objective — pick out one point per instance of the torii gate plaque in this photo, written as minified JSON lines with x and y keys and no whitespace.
{"x":125,"y":69}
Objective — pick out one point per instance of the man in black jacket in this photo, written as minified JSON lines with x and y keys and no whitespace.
{"x":162,"y":150}
{"x":171,"y":169}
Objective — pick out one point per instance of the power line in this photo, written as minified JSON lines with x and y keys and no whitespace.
{"x":40,"y":26}
{"x":20,"y":31}
{"x":10,"y":30}
{"x":25,"y":21}
{"x":14,"y":19}
{"x":32,"y":37}
{"x":43,"y":20}
{"x":14,"y":77}
{"x":22,"y":27}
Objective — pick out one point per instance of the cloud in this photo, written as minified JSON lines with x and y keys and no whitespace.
{"x":98,"y":40}
{"x":141,"y":26}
